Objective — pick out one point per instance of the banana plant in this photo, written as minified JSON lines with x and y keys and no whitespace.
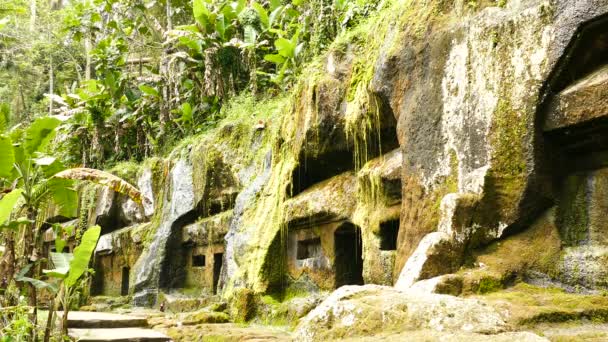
{"x":70,"y":268}
{"x":26,"y":175}
{"x":33,"y":181}
{"x":286,"y":58}
{"x":68,"y":273}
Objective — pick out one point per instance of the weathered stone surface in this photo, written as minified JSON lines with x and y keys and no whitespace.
{"x":145,"y":184}
{"x":532,"y":255}
{"x":97,"y":320}
{"x":269,"y":311}
{"x":581,"y":102}
{"x":436,"y":254}
{"x":472,"y":179}
{"x":208,"y":230}
{"x":118,"y":335}
{"x":353,"y":311}
{"x":524,"y":305}
{"x":202,"y":317}
{"x":584,"y":268}
{"x":177,"y":303}
{"x":226,"y":332}
{"x":332,"y":200}
{"x":432,"y":336}
{"x":215,"y":184}
{"x":179,"y":201}
{"x":115,"y":255}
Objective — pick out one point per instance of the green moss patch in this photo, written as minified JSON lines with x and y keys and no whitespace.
{"x":528,"y":305}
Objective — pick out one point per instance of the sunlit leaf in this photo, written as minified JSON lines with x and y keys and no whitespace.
{"x":39,"y":134}
{"x":7,"y":204}
{"x":82,"y":255}
{"x":7,"y":156}
{"x":262,"y":13}
{"x":148,"y":90}
{"x":104,"y":178}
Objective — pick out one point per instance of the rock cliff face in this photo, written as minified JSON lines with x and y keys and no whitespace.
{"x":429,"y":143}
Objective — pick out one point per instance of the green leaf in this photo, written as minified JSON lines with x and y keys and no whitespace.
{"x":60,"y":244}
{"x":5,"y":116}
{"x":3,"y":22}
{"x":104,"y":178}
{"x":251,"y":34}
{"x":61,"y":263}
{"x":7,"y":204}
{"x":7,"y":156}
{"x":148,"y":90}
{"x":186,"y":112}
{"x":54,"y":167}
{"x":39,"y":134}
{"x":274,"y":4}
{"x":39,"y":284}
{"x":15,"y":224}
{"x":285,"y":47}
{"x":82,"y":255}
{"x":276,"y":59}
{"x":274,"y":15}
{"x":262,"y":13}
{"x":220,"y":26}
{"x":239,"y":6}
{"x":64,"y":196}
{"x":201,"y":12}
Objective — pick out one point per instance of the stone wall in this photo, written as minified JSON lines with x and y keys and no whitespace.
{"x":435,"y":127}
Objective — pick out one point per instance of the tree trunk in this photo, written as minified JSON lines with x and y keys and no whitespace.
{"x":66,"y":308}
{"x":164,"y":102}
{"x":87,"y":52}
{"x":169,"y":15}
{"x":29,"y":251}
{"x":49,"y":321}
{"x":7,"y":266}
{"x":32,"y":15}
{"x":51,"y":85}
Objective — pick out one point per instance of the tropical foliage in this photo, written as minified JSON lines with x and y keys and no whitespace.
{"x":37,"y":188}
{"x":86,"y":84}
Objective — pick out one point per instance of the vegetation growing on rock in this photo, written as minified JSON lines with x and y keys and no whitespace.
{"x":261,"y":154}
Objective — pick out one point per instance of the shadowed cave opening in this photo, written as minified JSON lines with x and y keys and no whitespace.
{"x":348,"y":255}
{"x":389,"y":231}
{"x":587,"y":52}
{"x":310,"y":248}
{"x":198,"y":260}
{"x":124,"y":286}
{"x":173,"y":268}
{"x":313,"y":170}
{"x":576,"y":131}
{"x":217,"y":270}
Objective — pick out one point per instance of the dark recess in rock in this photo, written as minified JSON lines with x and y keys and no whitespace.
{"x":348,"y":251}
{"x":172,"y":272}
{"x":388,"y":235}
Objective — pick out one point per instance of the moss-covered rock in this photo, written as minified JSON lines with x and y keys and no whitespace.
{"x":201,"y":317}
{"x":242,"y":305}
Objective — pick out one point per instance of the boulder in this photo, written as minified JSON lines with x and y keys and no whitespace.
{"x":353,"y":311}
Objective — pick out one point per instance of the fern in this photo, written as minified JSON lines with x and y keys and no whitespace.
{"x":5,"y":117}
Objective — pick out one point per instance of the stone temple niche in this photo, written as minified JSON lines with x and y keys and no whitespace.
{"x":309,"y":249}
{"x":576,"y":128}
{"x":327,"y":254}
{"x":124,"y":287}
{"x":202,"y":243}
{"x":389,"y":231}
{"x":312,"y":170}
{"x":348,"y":255}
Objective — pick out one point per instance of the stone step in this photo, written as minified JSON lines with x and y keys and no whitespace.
{"x":118,"y":335}
{"x":98,"y":320}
